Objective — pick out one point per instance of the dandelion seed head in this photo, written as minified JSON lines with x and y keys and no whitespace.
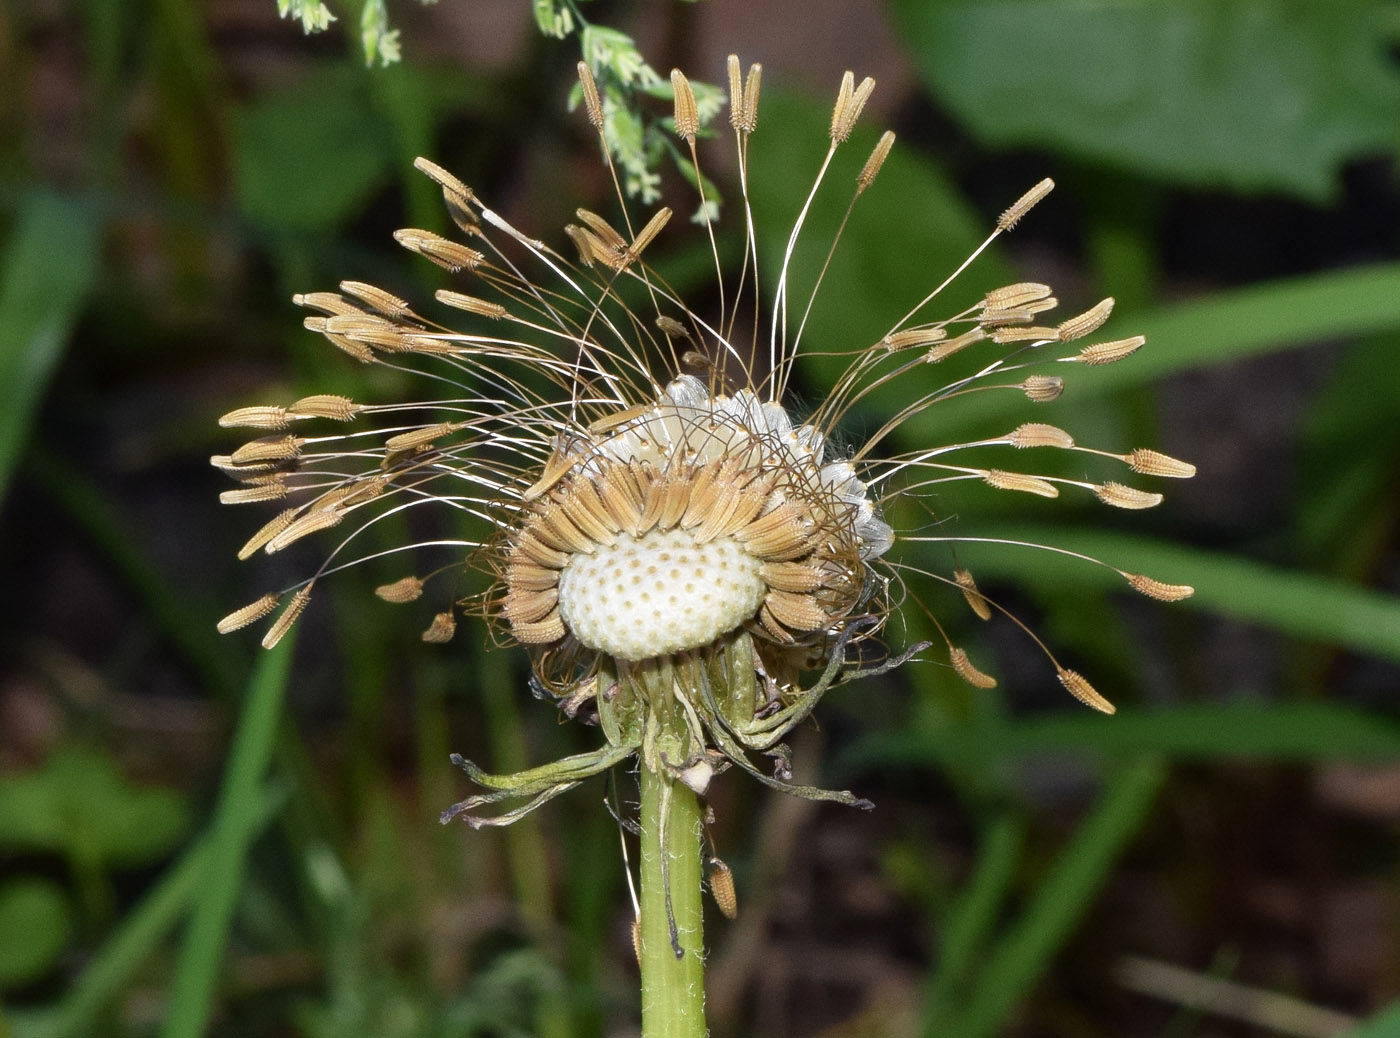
{"x":642,"y":505}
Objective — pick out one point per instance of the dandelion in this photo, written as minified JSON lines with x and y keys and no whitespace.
{"x":688,"y":560}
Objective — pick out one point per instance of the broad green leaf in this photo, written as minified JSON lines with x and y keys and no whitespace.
{"x":35,"y":926}
{"x":139,"y":935}
{"x":79,"y":805}
{"x":312,"y":156}
{"x":1255,"y":95}
{"x":48,"y":266}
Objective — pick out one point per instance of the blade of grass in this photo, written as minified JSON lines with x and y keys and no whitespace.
{"x":134,"y":941}
{"x":49,"y":264}
{"x":969,"y":925}
{"x":1309,"y":731}
{"x":1024,"y":952}
{"x":1289,"y":731}
{"x":1300,"y":604}
{"x":197,"y":969}
{"x":1385,"y":1024}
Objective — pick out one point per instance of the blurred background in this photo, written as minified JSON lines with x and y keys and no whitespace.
{"x":197,"y":837}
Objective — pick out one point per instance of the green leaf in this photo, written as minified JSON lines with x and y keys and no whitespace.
{"x":237,"y":821}
{"x":134,"y":941}
{"x":1304,"y":732}
{"x":311,"y":157}
{"x":1347,"y":463}
{"x":48,"y":267}
{"x":969,"y":925}
{"x":1268,"y":731}
{"x":80,"y":806}
{"x":35,"y":926}
{"x":1385,"y":1024}
{"x":1256,"y":95}
{"x":1023,"y":954}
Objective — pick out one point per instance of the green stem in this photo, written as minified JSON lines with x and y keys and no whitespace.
{"x":673,"y":987}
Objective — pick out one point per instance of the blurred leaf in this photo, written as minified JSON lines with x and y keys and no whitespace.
{"x":1349,"y":453}
{"x":1270,"y":731}
{"x":312,"y":156}
{"x":1253,"y":94}
{"x":1060,"y":899}
{"x":48,"y":265}
{"x":1318,"y":608}
{"x":80,"y":806}
{"x":968,"y":927}
{"x":128,"y":947}
{"x":1385,"y":1024}
{"x":35,"y":927}
{"x":237,"y":821}
{"x":1293,"y":731}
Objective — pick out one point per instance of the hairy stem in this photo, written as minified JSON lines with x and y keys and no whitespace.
{"x":673,"y":986}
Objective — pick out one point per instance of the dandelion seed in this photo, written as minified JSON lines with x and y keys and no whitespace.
{"x":287,"y":618}
{"x":273,"y":491}
{"x":1155,"y":463}
{"x":749,"y":120}
{"x":849,"y":104}
{"x":324,"y":405}
{"x":970,"y":592}
{"x":1038,"y":434}
{"x":944,"y":350}
{"x":962,"y":666}
{"x":1043,"y":388}
{"x":441,"y":630}
{"x":1158,"y":590}
{"x":250,"y":613}
{"x":282,"y":448}
{"x":1087,"y":323}
{"x":1120,"y":496}
{"x":722,"y":888}
{"x":1007,"y":336}
{"x":1079,"y":687}
{"x":259,"y":417}
{"x":405,"y":589}
{"x":1015,"y":297}
{"x":871,"y":169}
{"x":1108,"y":352}
{"x":1023,"y":205}
{"x":591,"y":103}
{"x":471,"y":304}
{"x":1003,"y":480}
{"x":687,"y":117}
